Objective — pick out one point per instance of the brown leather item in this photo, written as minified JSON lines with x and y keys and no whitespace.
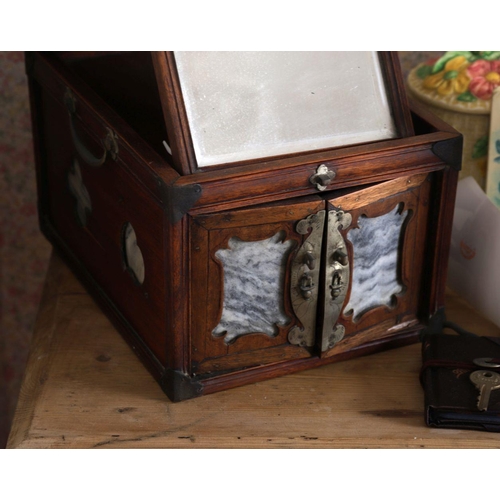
{"x":450,"y":396}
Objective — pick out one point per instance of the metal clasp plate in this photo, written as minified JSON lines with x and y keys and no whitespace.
{"x":337,"y":277}
{"x":305,"y":280}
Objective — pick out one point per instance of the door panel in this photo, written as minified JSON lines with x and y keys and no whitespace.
{"x":249,"y":267}
{"x":384,"y":235}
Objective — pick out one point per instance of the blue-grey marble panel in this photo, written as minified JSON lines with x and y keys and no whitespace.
{"x":254,"y":274}
{"x":133,"y":254}
{"x":375,"y":268}
{"x":80,"y":193}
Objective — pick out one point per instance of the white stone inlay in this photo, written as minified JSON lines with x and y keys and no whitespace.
{"x":133,"y":254}
{"x":254,"y":275}
{"x":375,"y":267}
{"x":79,"y":192}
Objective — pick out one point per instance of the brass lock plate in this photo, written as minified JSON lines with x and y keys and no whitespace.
{"x":306,"y":269}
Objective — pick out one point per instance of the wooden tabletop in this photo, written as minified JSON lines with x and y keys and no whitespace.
{"x":84,"y":388}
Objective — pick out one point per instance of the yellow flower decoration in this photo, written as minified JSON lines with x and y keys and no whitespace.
{"x":453,"y":78}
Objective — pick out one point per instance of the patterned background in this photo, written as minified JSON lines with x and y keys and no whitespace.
{"x":24,"y":252}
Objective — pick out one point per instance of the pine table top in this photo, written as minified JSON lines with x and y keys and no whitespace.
{"x":85,"y":388}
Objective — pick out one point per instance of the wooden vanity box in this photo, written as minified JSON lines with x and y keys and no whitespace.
{"x":226,"y":270}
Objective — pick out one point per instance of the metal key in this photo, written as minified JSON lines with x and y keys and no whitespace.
{"x":486,"y":381}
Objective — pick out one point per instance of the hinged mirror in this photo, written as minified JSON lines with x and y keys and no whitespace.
{"x":229,"y":108}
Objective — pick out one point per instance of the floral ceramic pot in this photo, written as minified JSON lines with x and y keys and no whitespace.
{"x":458,"y":87}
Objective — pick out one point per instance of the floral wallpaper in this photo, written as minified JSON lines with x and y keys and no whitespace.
{"x":24,"y":252}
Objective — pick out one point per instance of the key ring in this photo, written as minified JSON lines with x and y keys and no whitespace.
{"x":486,"y":363}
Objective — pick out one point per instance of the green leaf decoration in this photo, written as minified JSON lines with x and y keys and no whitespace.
{"x":497,"y":159}
{"x":466,"y":97}
{"x":497,"y":145}
{"x":441,"y":62}
{"x":424,"y":71}
{"x":490,"y":56}
{"x":480,"y":148}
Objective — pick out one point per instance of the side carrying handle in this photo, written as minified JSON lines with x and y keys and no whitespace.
{"x":109,"y":142}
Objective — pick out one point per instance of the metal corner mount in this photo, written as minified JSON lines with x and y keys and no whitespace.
{"x":437,"y":323}
{"x":179,"y":199}
{"x":450,"y":151}
{"x":178,"y":386}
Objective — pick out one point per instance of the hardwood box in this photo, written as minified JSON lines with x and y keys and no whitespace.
{"x":228,"y":273}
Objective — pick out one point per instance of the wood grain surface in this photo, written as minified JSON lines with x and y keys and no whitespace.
{"x":85,"y":388}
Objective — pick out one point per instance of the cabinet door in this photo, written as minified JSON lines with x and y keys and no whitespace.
{"x":255,"y":277}
{"x":373,"y":262}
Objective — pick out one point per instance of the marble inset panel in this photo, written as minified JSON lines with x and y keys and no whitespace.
{"x":375,"y":278}
{"x":80,"y":193}
{"x":133,"y":254}
{"x":254,"y":275}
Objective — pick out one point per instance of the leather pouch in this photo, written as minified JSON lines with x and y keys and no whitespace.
{"x":450,"y":396}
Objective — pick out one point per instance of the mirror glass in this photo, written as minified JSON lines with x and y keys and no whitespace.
{"x":246,"y":105}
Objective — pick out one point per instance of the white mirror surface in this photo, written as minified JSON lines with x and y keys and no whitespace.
{"x":245,"y":105}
